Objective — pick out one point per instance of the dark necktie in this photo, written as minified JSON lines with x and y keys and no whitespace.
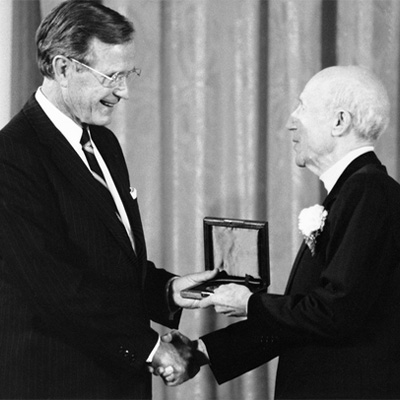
{"x":87,"y":148}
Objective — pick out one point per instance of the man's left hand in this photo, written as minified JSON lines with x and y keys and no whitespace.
{"x":186,"y":281}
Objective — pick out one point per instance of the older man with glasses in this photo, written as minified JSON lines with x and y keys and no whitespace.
{"x":77,"y":292}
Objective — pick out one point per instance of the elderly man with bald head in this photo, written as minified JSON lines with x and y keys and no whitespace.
{"x":336,"y":327}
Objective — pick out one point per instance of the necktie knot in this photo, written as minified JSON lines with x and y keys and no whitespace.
{"x":86,"y":143}
{"x":85,"y":135}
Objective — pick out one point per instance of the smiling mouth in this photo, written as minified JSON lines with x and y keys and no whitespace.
{"x":108,"y":104}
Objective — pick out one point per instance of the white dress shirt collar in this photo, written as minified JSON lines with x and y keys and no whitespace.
{"x":331,"y":176}
{"x":71,"y":130}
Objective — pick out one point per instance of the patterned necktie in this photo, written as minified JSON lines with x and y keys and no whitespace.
{"x":87,"y":148}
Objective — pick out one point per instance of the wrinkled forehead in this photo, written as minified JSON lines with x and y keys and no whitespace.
{"x":97,"y":46}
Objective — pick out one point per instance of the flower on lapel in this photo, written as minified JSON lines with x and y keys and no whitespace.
{"x":311,"y":224}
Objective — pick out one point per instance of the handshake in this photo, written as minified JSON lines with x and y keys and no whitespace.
{"x":178,"y":358}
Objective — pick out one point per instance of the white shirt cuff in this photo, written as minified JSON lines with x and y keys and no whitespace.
{"x":202,"y":347}
{"x":151,"y":356}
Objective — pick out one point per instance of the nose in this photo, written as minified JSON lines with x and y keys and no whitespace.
{"x":290,"y":124}
{"x":122,"y":90}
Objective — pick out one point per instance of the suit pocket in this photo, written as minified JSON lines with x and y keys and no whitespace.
{"x":133,"y":192}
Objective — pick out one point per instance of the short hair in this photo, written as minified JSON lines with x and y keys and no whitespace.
{"x":69,"y":28}
{"x":360,"y":92}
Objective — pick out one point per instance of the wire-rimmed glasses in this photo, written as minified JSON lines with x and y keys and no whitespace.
{"x":114,"y":80}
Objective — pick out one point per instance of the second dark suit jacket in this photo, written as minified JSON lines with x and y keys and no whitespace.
{"x":336,"y":329}
{"x":75,"y":299}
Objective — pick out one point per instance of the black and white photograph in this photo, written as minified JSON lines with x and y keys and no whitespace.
{"x":125,"y":124}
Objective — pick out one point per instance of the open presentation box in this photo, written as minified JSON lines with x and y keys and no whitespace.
{"x":239,"y":249}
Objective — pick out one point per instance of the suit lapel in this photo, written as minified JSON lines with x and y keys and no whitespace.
{"x":296,"y":263}
{"x":356,"y":165}
{"x":119,"y":174}
{"x":70,"y":164}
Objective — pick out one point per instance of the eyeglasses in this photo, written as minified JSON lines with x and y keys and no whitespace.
{"x":114,"y":80}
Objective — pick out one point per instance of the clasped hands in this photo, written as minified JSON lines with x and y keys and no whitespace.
{"x":178,"y":358}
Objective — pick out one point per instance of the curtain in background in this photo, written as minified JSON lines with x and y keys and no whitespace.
{"x":204,"y":130}
{"x":25,"y":76}
{"x":5,"y":65}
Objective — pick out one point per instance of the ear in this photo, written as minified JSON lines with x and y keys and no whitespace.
{"x":342,"y":123}
{"x":61,"y":66}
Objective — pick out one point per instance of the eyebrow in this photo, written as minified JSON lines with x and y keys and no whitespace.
{"x":130,"y":71}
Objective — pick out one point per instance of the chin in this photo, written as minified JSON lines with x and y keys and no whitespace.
{"x":300,"y":162}
{"x":103,"y":121}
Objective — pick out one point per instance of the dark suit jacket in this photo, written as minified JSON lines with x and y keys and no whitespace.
{"x":75,"y":300}
{"x":336,"y":329}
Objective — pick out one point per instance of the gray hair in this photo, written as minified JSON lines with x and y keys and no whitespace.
{"x":70,"y":27}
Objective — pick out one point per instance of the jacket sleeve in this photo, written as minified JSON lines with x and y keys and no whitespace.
{"x":239,"y":348}
{"x":158,"y":299}
{"x":155,"y":280}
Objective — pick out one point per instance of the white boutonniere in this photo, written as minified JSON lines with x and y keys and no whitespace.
{"x":311,"y":224}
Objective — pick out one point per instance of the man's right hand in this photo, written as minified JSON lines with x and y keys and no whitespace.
{"x":175,"y":360}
